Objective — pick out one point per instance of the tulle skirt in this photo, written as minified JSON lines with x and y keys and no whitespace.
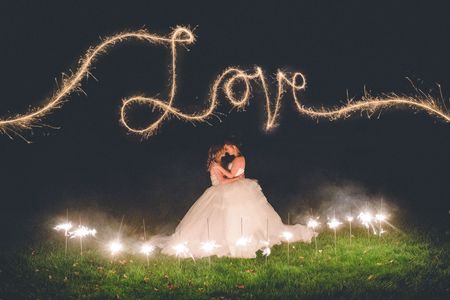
{"x":234,"y":220}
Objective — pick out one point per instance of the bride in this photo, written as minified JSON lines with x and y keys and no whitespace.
{"x":232,"y":217}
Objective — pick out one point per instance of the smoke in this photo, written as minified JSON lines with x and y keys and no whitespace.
{"x":339,"y":199}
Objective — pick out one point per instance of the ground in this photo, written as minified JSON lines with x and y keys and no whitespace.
{"x":400,"y":264}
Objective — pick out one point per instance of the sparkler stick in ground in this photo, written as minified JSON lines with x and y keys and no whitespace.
{"x":66,"y":227}
{"x":380,"y":217}
{"x":81,"y":232}
{"x":146,"y":248}
{"x":287,"y":235}
{"x":366,"y":219}
{"x":243,"y":241}
{"x":116,"y":246}
{"x":266,"y":251}
{"x":209,"y":245}
{"x":350,"y":220}
{"x":313,"y":224}
{"x":333,"y":224}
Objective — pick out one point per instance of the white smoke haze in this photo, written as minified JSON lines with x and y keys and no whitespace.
{"x":340,"y":200}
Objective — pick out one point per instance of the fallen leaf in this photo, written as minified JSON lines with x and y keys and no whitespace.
{"x":371,"y":277}
{"x":240,"y":286}
{"x":171,"y":286}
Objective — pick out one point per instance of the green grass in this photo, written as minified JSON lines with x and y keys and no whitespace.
{"x":411,"y":265}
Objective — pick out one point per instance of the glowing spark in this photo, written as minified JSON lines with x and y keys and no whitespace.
{"x":287,"y":235}
{"x":82,"y":231}
{"x":266,"y":252}
{"x":209,"y":246}
{"x":181,"y":250}
{"x":334,"y":223}
{"x":366,"y":219}
{"x":243,"y":241}
{"x":115,"y":247}
{"x":147,"y":249}
{"x":227,"y":81}
{"x":380,"y":217}
{"x":312,"y":223}
{"x":63,"y":226}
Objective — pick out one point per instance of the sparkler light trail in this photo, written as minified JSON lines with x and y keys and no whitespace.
{"x":63,"y":226}
{"x":227,"y":82}
{"x":81,"y":232}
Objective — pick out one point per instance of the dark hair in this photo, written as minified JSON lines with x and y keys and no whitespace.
{"x":233,"y":141}
{"x":212,"y":152}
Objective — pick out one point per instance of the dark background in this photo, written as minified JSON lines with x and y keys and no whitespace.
{"x":92,"y":163}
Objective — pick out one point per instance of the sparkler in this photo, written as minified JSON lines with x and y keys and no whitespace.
{"x":243,"y":241}
{"x":313,"y":224}
{"x":380,"y":217}
{"x":334,"y":224}
{"x":146,"y":248}
{"x":115,"y":247}
{"x":226,"y":81}
{"x":66,"y":227}
{"x":209,"y":245}
{"x":266,"y":251}
{"x":350,"y":220}
{"x":366,"y":219}
{"x":287,"y":236}
{"x":81,"y":232}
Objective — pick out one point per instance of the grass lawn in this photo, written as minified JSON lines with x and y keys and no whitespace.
{"x":399,"y":265}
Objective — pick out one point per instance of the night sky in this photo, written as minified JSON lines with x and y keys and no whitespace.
{"x":92,"y":162}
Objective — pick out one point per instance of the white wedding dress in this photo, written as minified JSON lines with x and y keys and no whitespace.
{"x":234,"y":220}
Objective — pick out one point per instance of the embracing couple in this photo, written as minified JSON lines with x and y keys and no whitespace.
{"x":233,"y":217}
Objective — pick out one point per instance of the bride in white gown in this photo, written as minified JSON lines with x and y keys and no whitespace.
{"x":232,"y":217}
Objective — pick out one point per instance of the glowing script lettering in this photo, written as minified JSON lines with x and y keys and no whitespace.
{"x":227,"y":81}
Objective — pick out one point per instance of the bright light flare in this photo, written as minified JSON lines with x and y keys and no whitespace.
{"x":366,"y":219}
{"x":350,"y":219}
{"x":287,"y":235}
{"x":243,"y":241}
{"x":334,"y":223}
{"x":313,"y":223}
{"x":147,"y":249}
{"x":380,"y":217}
{"x":115,"y":247}
{"x":209,"y":246}
{"x":181,"y":249}
{"x":266,"y":251}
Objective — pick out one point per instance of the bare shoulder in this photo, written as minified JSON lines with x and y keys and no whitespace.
{"x":239,"y":160}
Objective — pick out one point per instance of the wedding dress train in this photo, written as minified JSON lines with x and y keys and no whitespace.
{"x":234,"y":220}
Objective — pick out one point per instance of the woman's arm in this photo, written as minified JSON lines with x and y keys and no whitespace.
{"x":224,"y":180}
{"x":223,"y":171}
{"x":238,"y":163}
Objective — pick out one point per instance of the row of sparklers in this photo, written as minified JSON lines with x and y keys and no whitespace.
{"x":116,"y":246}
